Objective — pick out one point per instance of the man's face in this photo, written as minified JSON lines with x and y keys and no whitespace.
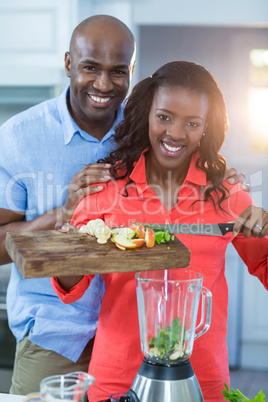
{"x":100,"y":66}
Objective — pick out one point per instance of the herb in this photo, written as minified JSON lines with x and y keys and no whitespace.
{"x":167,"y":343}
{"x":237,"y":396}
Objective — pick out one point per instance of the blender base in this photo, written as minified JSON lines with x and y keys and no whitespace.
{"x":157,"y":383}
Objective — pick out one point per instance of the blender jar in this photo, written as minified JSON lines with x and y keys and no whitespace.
{"x":62,"y":387}
{"x":168,"y":303}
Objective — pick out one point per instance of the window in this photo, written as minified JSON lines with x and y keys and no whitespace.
{"x":258,"y":100}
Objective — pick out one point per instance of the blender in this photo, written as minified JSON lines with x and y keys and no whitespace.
{"x":168,"y":304}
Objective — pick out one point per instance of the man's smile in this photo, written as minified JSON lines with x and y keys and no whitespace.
{"x":99,"y":99}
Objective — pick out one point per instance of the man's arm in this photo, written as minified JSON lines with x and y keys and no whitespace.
{"x":79,"y":187}
{"x":11,"y":221}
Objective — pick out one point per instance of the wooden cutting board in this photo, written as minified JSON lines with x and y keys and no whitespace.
{"x":47,"y":253}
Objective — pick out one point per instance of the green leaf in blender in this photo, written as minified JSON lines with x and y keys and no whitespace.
{"x":168,"y":340}
{"x":152,"y":342}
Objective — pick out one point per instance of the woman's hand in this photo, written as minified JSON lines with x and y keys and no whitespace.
{"x":254,"y":221}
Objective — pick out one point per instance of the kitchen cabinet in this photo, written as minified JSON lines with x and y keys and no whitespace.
{"x":34,"y":36}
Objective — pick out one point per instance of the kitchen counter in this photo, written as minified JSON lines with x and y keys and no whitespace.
{"x":11,"y":398}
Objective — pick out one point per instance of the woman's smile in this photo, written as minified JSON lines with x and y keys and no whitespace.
{"x":169,"y":148}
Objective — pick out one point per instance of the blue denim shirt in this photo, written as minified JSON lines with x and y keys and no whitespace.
{"x":41,"y":149}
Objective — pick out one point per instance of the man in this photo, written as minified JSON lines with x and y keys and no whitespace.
{"x":43,"y":150}
{"x":43,"y":175}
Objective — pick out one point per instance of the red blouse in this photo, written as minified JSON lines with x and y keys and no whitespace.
{"x":117,"y":355}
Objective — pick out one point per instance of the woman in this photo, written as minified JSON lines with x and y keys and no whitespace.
{"x":167,"y":170}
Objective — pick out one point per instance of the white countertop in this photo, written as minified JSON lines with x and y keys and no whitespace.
{"x":11,"y":398}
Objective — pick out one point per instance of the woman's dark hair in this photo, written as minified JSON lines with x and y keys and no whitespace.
{"x":132,"y":136}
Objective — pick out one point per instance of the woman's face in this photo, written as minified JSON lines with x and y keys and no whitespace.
{"x":177,"y":120}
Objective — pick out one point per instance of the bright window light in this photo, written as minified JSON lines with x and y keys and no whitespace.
{"x":258,"y":100}
{"x":258,"y":107}
{"x":259,"y":57}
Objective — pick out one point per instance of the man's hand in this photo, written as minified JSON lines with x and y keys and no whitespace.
{"x":255,"y":222}
{"x":81,"y":185}
{"x":233,"y":177}
{"x":65,"y":228}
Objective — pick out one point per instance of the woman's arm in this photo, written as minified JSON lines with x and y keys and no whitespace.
{"x":68,"y":282}
{"x":74,"y":291}
{"x":252,"y":244}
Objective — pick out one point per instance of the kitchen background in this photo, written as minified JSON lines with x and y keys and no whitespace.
{"x":230,"y":38}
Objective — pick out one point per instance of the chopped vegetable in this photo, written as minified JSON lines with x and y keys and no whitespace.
{"x":125,"y":237}
{"x":168,"y":344}
{"x":149,"y":237}
{"x":237,"y":396}
{"x":167,"y":235}
{"x":97,"y":228}
{"x":163,"y":237}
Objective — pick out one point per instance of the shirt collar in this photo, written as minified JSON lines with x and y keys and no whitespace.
{"x":119,"y":118}
{"x":70,"y":128}
{"x":67,"y":122}
{"x":194,"y":175}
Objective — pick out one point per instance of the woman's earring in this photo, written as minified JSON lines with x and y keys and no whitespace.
{"x":204,"y":134}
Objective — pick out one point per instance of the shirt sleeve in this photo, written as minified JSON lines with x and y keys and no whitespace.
{"x":253,"y":251}
{"x":75,"y":293}
{"x":13,"y":193}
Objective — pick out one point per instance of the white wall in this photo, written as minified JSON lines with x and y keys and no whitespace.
{"x":205,"y":12}
{"x":192,"y":12}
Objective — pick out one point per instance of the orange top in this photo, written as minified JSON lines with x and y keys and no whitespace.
{"x":117,"y":354}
